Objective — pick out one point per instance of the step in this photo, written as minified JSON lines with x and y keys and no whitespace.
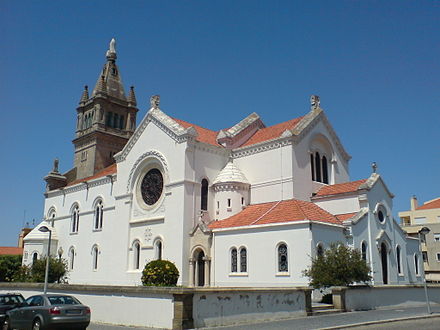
{"x":320,"y":306}
{"x":325,"y":311}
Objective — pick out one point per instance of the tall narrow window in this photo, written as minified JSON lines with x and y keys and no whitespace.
{"x":204,"y":195}
{"x":115,"y":120}
{"x":324,"y":170}
{"x":364,"y":251}
{"x":243,"y":260}
{"x":318,"y":166}
{"x":99,"y":212}
{"x":229,"y":202}
{"x":75,"y":220}
{"x":34,"y":257}
{"x":158,"y":248}
{"x":399,"y":261}
{"x":136,"y":255}
{"x":312,"y":164}
{"x":416,"y":264}
{"x":121,"y":122}
{"x":71,"y":258}
{"x":320,"y":250}
{"x":282,"y":258}
{"x":95,"y":253}
{"x":234,"y":260}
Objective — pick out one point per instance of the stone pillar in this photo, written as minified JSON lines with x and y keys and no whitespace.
{"x":308,"y":301}
{"x":196,"y":273}
{"x":207,"y":262}
{"x":183,"y":311}
{"x":191,"y":272}
{"x":338,"y":295}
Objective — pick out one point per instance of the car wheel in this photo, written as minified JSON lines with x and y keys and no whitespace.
{"x":6,"y":324}
{"x":36,"y":325}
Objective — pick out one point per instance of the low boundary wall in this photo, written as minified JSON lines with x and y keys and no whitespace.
{"x":179,"y":308}
{"x":382,"y":296}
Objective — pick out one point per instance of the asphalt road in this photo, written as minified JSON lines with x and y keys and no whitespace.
{"x":425,"y":324}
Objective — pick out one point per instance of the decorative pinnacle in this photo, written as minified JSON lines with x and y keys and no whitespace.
{"x":154,"y":101}
{"x":55,"y":165}
{"x":374,"y":167}
{"x":111,"y":53}
{"x":85,"y":95}
{"x":102,"y":85}
{"x":314,"y":101}
{"x":132,"y":96}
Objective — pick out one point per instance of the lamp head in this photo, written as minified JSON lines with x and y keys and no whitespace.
{"x":44,"y":229}
{"x":424,"y":230}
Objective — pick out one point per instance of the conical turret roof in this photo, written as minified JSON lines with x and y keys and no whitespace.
{"x":109,"y":80}
{"x":230,"y":173}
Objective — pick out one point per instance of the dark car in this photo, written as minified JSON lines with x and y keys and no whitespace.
{"x":50,"y":311}
{"x":9,"y":301}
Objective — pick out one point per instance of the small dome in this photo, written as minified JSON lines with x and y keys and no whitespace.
{"x":230,"y":173}
{"x":36,"y":235}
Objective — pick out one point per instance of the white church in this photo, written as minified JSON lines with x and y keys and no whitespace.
{"x":245,"y":206}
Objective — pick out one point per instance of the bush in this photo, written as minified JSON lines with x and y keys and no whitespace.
{"x":160,"y":273}
{"x":57,"y":270}
{"x":9,"y":265}
{"x":339,"y":266}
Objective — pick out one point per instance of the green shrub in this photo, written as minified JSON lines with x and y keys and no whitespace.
{"x":9,"y":265}
{"x":57,"y":270}
{"x":160,"y":273}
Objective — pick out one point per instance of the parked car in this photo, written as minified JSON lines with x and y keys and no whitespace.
{"x":50,"y":311}
{"x":9,"y":301}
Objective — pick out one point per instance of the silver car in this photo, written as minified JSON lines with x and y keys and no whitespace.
{"x":51,"y":311}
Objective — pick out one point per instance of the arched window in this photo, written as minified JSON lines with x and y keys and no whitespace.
{"x":324,"y":170}
{"x":319,"y":250}
{"x":364,"y":251}
{"x":312,"y":164}
{"x":234,"y":260}
{"x":95,"y":253}
{"x":399,"y":260}
{"x":71,"y":258}
{"x":243,"y":260}
{"x":416,"y":264}
{"x":34,"y":257}
{"x":75,"y":219}
{"x":99,"y":212}
{"x":204,"y":195}
{"x":318,"y":166}
{"x":282,"y":258}
{"x":158,"y":249}
{"x":136,"y":255}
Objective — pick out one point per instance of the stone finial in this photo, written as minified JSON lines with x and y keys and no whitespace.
{"x":154,"y":101}
{"x":374,"y":167}
{"x":132,"y":96}
{"x":111,"y":53}
{"x":314,"y":101}
{"x":56,"y":162}
{"x":85,"y":95}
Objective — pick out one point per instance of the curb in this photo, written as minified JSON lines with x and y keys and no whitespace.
{"x":354,"y":325}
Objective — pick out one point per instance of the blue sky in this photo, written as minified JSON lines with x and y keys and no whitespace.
{"x":375,"y":65}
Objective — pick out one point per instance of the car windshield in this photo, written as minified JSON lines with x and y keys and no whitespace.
{"x":63,"y":300}
{"x":11,"y":299}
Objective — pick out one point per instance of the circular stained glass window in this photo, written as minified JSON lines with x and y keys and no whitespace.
{"x":152,"y":186}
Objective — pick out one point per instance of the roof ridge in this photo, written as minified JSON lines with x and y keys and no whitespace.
{"x":265,"y":213}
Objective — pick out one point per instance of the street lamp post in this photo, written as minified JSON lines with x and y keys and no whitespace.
{"x":45,"y":229}
{"x":424,"y":231}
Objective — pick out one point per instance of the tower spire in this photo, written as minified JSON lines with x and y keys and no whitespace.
{"x":85,"y":95}
{"x":132,"y":97}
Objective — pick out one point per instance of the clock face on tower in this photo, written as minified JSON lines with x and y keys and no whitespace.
{"x":152,"y":186}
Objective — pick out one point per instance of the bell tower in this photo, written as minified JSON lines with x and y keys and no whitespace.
{"x":105,"y":120}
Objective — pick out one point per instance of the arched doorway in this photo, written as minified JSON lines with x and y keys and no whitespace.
{"x":200,"y":269}
{"x":384,"y":259}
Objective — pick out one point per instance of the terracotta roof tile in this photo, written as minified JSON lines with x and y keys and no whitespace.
{"x":434,"y":204}
{"x":272,"y":132}
{"x":104,"y":172}
{"x":204,"y":135}
{"x":276,"y":212}
{"x":340,"y":188}
{"x":345,"y":216}
{"x":11,"y":251}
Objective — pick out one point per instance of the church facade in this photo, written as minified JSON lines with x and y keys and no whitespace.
{"x":244,"y":206}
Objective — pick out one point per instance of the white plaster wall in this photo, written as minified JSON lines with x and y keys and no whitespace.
{"x":326,"y":235}
{"x":235,"y":196}
{"x":261,"y":244}
{"x":155,"y":310}
{"x":339,"y":205}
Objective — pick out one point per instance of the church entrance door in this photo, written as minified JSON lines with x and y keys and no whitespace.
{"x":200,"y":269}
{"x":384,"y":258}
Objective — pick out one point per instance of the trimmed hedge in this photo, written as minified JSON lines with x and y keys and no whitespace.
{"x":160,"y":273}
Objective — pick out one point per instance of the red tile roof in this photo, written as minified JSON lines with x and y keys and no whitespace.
{"x":11,"y":251}
{"x":345,"y":216}
{"x":104,"y":172}
{"x":204,"y":135}
{"x":276,"y":212}
{"x":340,"y":188}
{"x":272,"y":132}
{"x":434,"y":204}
